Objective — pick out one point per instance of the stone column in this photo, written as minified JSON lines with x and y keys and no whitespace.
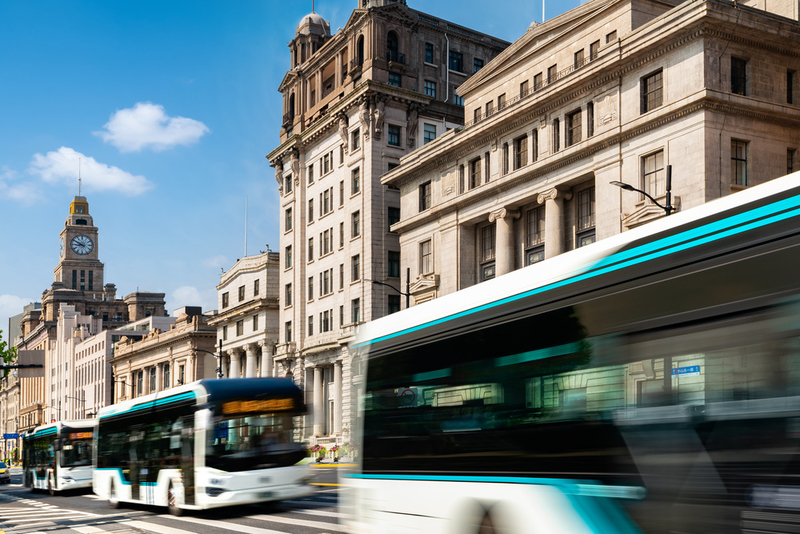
{"x":319,"y":407}
{"x":251,"y":359}
{"x":337,"y":398}
{"x":553,"y":201}
{"x":236,"y":356}
{"x":504,"y":240}
{"x":267,"y":348}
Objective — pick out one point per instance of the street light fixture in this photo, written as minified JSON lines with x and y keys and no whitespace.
{"x":218,"y":356}
{"x":407,"y":293}
{"x":669,"y":208}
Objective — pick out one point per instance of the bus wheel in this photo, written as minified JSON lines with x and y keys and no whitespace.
{"x":113,"y":498}
{"x":172,"y":501}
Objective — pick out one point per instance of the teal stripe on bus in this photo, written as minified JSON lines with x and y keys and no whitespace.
{"x":45,"y":432}
{"x":695,"y":237}
{"x":189,"y":395}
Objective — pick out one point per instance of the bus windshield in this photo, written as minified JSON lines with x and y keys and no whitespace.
{"x":77,"y":449}
{"x":253,"y":441}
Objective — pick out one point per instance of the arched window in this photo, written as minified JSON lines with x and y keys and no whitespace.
{"x":360,"y":50}
{"x":392,"y":46}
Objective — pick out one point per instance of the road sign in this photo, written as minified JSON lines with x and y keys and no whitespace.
{"x":15,"y":435}
{"x":691,"y":370}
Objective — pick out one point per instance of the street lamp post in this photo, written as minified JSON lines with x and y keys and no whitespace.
{"x":669,"y":208}
{"x":218,"y":356}
{"x":407,"y":293}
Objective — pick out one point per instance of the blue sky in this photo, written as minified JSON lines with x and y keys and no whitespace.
{"x":171,"y":107}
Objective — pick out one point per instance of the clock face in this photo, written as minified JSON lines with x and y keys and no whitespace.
{"x":81,"y":244}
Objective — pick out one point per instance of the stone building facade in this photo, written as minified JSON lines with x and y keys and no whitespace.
{"x":247,"y":321}
{"x":163,"y":359}
{"x":619,"y":91}
{"x":354,"y":103}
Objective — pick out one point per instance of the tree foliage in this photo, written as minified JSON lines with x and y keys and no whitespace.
{"x":8,"y":354}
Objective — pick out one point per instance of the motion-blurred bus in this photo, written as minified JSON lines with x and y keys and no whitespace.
{"x":646,"y":383}
{"x":207,"y":444}
{"x":58,"y":456}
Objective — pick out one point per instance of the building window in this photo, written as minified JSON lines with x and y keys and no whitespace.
{"x":310,"y":325}
{"x":166,"y":381}
{"x":341,"y":315}
{"x":537,"y":82}
{"x":477,"y":64}
{"x":524,"y":89}
{"x":430,"y":88}
{"x":225,"y":300}
{"x":738,"y":76}
{"x":426,"y":257}
{"x":225,"y":333}
{"x":535,"y":145}
{"x":355,"y":139}
{"x":355,"y":228}
{"x":355,"y":181}
{"x":652,"y":91}
{"x":310,"y":288}
{"x":490,"y":108}
{"x":461,"y":179}
{"x":289,"y":183}
{"x":428,"y":53}
{"x":140,"y":383}
{"x":520,"y":152}
{"x":394,"y":216}
{"x":456,"y":61}
{"x":457,"y":100}
{"x":288,"y":219}
{"x":256,"y":287}
{"x":310,"y":173}
{"x":505,"y":159}
{"x":475,"y":173}
{"x":424,"y":196}
{"x":341,"y":276}
{"x":310,"y":210}
{"x":739,"y":162}
{"x":578,"y":59}
{"x":790,"y":152}
{"x":486,"y":167}
{"x":501,"y":102}
{"x":239,"y":328}
{"x":476,"y":115}
{"x":790,"y":76}
{"x":153,"y":379}
{"x":394,"y":135}
{"x":653,"y":177}
{"x":594,"y":50}
{"x":326,"y":282}
{"x":288,"y":257}
{"x":534,"y":238}
{"x":395,"y":79}
{"x":428,"y":133}
{"x":393,"y":270}
{"x":552,"y":73}
{"x":487,"y":252}
{"x":590,"y":119}
{"x":326,"y":242}
{"x":355,"y":268}
{"x":574,"y":128}
{"x":326,"y":163}
{"x":287,"y":331}
{"x":255,"y":323}
{"x":585,"y":234}
{"x":288,"y":295}
{"x":326,"y":321}
{"x":341,"y":234}
{"x":556,"y":135}
{"x":241,"y":293}
{"x":611,"y":36}
{"x":355,"y":311}
{"x":393,"y":305}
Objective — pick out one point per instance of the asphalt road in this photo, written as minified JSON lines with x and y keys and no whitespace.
{"x":24,"y":512}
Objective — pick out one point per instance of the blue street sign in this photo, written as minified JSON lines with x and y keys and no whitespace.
{"x":692,"y":370}
{"x":11,"y":436}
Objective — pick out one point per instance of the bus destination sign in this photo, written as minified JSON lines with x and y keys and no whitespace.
{"x":257,"y":406}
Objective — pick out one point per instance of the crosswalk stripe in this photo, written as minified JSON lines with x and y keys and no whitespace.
{"x":299,"y":522}
{"x":88,"y":529}
{"x":236,"y":527}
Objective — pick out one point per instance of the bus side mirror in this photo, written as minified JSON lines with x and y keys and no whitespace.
{"x":57,"y":444}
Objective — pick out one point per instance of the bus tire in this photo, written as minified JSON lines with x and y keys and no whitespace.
{"x":172,"y":502}
{"x":113,"y":498}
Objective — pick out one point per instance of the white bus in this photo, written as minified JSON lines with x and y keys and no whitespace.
{"x":207,"y":444}
{"x":58,"y":456}
{"x":647,"y":383}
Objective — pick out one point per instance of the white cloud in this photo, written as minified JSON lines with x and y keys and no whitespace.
{"x":191,"y":296}
{"x":219,"y":261}
{"x":26,"y":194}
{"x":61,"y":166}
{"x":146,"y":125}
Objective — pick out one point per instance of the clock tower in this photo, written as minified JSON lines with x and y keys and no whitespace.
{"x":79,"y":267}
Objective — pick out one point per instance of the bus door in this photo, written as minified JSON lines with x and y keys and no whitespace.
{"x":138,"y":469}
{"x":186,"y":426}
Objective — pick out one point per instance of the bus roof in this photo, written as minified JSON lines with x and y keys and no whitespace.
{"x":494,"y":292}
{"x":55,"y":427}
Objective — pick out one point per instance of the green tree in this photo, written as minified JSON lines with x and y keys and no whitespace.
{"x":8,"y":354}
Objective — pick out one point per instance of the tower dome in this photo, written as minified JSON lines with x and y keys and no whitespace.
{"x":314,"y":24}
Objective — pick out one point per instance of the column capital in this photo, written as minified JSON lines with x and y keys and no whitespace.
{"x":503,"y":213}
{"x":236,"y":351}
{"x":554,"y":194}
{"x":268,"y":343}
{"x":249,"y":347}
